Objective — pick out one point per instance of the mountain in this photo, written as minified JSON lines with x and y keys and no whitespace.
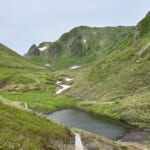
{"x":118,"y":84}
{"x":112,"y":80}
{"x":24,"y":84}
{"x":114,"y":76}
{"x":34,"y":51}
{"x":80,"y":45}
{"x":21,"y":129}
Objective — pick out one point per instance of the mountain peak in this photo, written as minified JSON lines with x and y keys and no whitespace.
{"x":33,"y":51}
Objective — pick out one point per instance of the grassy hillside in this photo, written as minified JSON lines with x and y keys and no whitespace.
{"x":144,"y":25}
{"x":113,"y":80}
{"x":20,"y":80}
{"x":39,"y":100}
{"x":8,"y":58}
{"x":81,"y":45}
{"x":24,"y":130}
{"x":118,"y":84}
{"x":19,"y":74}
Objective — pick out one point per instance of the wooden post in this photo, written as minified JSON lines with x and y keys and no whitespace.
{"x":26,"y":106}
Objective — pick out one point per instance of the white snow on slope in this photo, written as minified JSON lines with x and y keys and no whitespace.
{"x":63,"y":88}
{"x":74,"y":67}
{"x":84,"y":40}
{"x":68,"y":79}
{"x":58,"y":82}
{"x":43,"y":48}
{"x":47,"y":65}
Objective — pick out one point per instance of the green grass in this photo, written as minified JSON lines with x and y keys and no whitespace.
{"x":29,"y":83}
{"x":25,"y":79}
{"x":39,"y":100}
{"x":11,"y":59}
{"x":120,"y":76}
{"x":112,"y":73}
{"x":18,"y":74}
{"x":132,"y":109}
{"x":24,"y":130}
{"x":144,"y":25}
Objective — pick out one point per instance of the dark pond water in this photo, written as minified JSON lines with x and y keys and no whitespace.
{"x":97,"y":125}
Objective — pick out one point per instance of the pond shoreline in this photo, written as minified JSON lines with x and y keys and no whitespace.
{"x":131,"y":126}
{"x":100,"y":125}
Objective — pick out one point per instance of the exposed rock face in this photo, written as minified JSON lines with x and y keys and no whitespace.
{"x":80,"y":43}
{"x":33,"y":51}
{"x":85,"y":42}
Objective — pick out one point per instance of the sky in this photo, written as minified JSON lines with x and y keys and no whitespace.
{"x":24,"y":22}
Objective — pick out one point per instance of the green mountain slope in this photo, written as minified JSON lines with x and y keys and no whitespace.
{"x":8,"y":58}
{"x":81,"y":45}
{"x":21,"y":80}
{"x":119,"y":83}
{"x":144,"y":25}
{"x":113,"y":80}
{"x":19,"y":74}
{"x":20,"y":129}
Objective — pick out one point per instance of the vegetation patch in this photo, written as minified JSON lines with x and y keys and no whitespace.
{"x":38,"y":100}
{"x":24,"y":130}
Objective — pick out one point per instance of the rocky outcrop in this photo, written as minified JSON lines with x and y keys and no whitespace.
{"x":33,"y":51}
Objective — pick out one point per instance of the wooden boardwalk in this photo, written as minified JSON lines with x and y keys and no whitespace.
{"x":78,"y":143}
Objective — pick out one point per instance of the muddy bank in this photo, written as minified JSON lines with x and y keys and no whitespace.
{"x":141,"y":136}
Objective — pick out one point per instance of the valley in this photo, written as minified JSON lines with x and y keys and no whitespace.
{"x":102,"y":71}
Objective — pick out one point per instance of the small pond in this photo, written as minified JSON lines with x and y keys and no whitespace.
{"x":86,"y":121}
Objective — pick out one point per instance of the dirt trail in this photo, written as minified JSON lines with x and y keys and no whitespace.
{"x":145,"y":48}
{"x":16,"y":104}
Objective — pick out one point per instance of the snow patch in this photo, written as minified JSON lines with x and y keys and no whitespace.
{"x":64,"y":87}
{"x":43,"y":48}
{"x":74,"y":67}
{"x":68,"y":79}
{"x":84,"y":40}
{"x":47,"y":65}
{"x":58,"y":82}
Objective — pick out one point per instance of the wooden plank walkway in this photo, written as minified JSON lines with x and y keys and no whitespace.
{"x":78,"y":143}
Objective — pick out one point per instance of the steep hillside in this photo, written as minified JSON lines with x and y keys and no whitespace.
{"x":119,"y":83}
{"x":21,"y":80}
{"x":8,"y":58}
{"x":143,"y":26}
{"x":24,"y":130}
{"x":19,"y":74}
{"x":81,"y":45}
